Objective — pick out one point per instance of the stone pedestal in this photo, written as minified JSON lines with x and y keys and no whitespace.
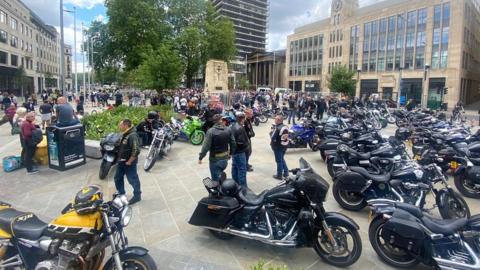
{"x":216,"y":77}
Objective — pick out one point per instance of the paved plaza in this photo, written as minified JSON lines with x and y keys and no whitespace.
{"x":170,"y":193}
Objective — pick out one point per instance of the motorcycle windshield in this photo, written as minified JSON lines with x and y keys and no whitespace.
{"x":312,"y":184}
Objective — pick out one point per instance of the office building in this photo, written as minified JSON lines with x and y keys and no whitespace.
{"x":420,"y":47}
{"x":27,"y":43}
{"x":249,"y":18}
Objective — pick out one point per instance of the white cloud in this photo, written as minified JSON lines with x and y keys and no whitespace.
{"x":89,"y":4}
{"x":100,"y":18}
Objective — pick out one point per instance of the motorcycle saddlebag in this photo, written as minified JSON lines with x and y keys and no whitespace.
{"x":215,"y":212}
{"x":350,"y":181}
{"x":403,"y":231}
{"x":474,"y":174}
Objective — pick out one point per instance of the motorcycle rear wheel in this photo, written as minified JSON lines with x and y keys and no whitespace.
{"x":391,"y":255}
{"x":197,"y":137}
{"x":348,"y":200}
{"x":104,"y":169}
{"x":132,"y":261}
{"x":391,"y":120}
{"x":463,"y":186}
{"x":263,"y":119}
{"x":333,"y":255}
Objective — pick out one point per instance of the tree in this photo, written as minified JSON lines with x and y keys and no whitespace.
{"x":49,"y":80}
{"x":190,"y":43}
{"x":341,"y":81}
{"x":21,"y":78}
{"x":244,"y":83}
{"x":103,"y":50}
{"x":160,"y":69}
{"x":220,"y":36}
{"x":135,"y":27}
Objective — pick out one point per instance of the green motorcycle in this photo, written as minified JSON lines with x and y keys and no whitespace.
{"x":190,"y":129}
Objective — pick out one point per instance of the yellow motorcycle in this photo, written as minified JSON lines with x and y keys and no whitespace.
{"x":75,"y":240}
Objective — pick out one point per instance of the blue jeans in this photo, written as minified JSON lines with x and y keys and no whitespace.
{"x":132,"y":177}
{"x":291,"y":116}
{"x":239,"y":169}
{"x":280,"y":160}
{"x":217,"y":167}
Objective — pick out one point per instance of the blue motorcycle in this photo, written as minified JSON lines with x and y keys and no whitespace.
{"x":303,"y":135}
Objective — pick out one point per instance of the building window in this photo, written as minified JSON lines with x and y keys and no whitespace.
{"x":13,"y":23}
{"x":441,"y":27}
{"x":3,"y":17}
{"x":3,"y":58}
{"x":3,"y":36}
{"x":14,"y":41}
{"x":14,"y":60}
{"x":399,"y":41}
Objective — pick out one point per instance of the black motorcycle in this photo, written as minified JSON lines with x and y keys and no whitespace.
{"x":467,"y":175}
{"x":289,"y":215}
{"x":404,"y":236}
{"x":355,"y":186}
{"x":162,"y":142}
{"x":109,"y":147}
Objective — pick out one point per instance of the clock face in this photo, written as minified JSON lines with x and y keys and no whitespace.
{"x":337,"y":5}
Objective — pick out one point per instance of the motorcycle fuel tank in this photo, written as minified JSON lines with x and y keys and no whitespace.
{"x":282,"y":195}
{"x":72,"y":224}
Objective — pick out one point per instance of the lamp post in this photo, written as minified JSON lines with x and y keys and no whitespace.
{"x":358,"y":80}
{"x":62,"y":51}
{"x":426,"y":80}
{"x":74,"y":11}
{"x":83,"y":64}
{"x":399,"y":91}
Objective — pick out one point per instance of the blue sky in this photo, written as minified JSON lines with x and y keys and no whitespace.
{"x":284,"y":17}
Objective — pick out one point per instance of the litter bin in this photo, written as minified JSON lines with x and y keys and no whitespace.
{"x":66,"y":147}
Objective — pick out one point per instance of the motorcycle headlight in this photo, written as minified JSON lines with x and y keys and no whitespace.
{"x":126,"y":216}
{"x":109,"y":147}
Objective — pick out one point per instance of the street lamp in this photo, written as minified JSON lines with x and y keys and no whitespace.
{"x":399,"y":91}
{"x":358,"y":79}
{"x":62,"y":50}
{"x":74,"y":11}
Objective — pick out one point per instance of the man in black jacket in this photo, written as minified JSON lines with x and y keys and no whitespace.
{"x":145,"y":129}
{"x":321,"y":107}
{"x":250,"y":133}
{"x":239,"y":158}
{"x":128,"y":159}
{"x":220,"y":142}
{"x":279,"y":144}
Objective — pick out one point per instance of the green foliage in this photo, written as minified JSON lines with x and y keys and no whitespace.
{"x":99,"y":125}
{"x":261,"y":266}
{"x":244,"y":83}
{"x":220,"y":37}
{"x":190,"y":43}
{"x":161,"y":69}
{"x":341,"y":81}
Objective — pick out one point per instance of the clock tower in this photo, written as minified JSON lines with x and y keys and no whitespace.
{"x":342,"y":9}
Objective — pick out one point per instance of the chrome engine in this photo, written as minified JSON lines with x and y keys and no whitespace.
{"x":66,"y":251}
{"x":460,"y":257}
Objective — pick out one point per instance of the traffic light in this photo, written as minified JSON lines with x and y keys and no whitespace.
{"x":445,"y":90}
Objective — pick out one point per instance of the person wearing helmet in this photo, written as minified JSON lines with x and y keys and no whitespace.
{"x":145,"y":128}
{"x":220,"y":142}
{"x":239,"y":158}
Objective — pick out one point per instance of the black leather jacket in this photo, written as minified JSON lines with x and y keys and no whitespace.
{"x":241,"y":138}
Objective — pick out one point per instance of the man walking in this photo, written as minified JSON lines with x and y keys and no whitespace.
{"x":46,"y":113}
{"x":220,"y":142}
{"x":321,"y":107}
{"x":292,"y":108}
{"x":279,"y":143}
{"x":239,"y":158}
{"x":128,"y":159}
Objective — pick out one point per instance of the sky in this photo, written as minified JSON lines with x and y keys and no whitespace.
{"x":285,"y":16}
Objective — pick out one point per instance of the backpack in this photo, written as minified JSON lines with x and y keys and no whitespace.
{"x":12,"y":163}
{"x":37,"y":137}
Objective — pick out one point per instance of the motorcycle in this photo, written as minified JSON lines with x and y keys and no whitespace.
{"x":289,"y":215}
{"x":403,"y":236}
{"x":78,"y":239}
{"x":386,"y":114}
{"x":301,"y":135}
{"x":161,"y":144}
{"x":109,"y":147}
{"x":190,"y":129}
{"x":467,"y":175}
{"x":354,"y":186}
{"x":259,"y":117}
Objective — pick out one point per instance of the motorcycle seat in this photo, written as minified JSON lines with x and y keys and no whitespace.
{"x":412,"y":209}
{"x":444,"y":226}
{"x":21,"y":224}
{"x":250,"y":198}
{"x":360,"y":155}
{"x":374,"y":177}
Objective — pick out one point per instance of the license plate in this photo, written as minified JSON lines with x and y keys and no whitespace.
{"x":416,"y":157}
{"x":453,"y":165}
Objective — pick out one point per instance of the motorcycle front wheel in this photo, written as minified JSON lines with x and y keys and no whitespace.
{"x":466,"y":186}
{"x":262,"y":118}
{"x":348,"y":248}
{"x":256,"y":121}
{"x":389,"y":254}
{"x":104,"y":169}
{"x":454,"y":206}
{"x":134,"y":262}
{"x":150,"y":159}
{"x":197,"y":137}
{"x":391,"y":120}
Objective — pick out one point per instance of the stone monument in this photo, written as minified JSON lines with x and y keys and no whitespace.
{"x":216,"y":77}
